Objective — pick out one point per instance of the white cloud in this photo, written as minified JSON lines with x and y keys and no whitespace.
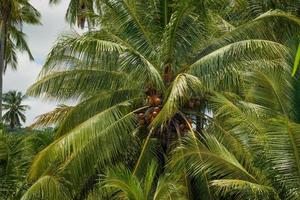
{"x":40,"y":39}
{"x":22,"y":78}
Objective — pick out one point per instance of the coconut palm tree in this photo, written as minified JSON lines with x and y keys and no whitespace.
{"x":13,"y":13}
{"x":144,"y":82}
{"x":12,"y":102}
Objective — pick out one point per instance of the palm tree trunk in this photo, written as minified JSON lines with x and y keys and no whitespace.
{"x":12,"y":125}
{"x":2,"y":57}
{"x":3,"y":34}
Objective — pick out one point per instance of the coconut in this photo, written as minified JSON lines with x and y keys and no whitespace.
{"x":157,"y":109}
{"x":156,"y":101}
{"x":141,"y":115}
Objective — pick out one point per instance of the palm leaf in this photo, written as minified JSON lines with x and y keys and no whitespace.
{"x":297,"y":61}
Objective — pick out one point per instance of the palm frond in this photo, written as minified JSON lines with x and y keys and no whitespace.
{"x":94,"y":105}
{"x":240,"y":189}
{"x":211,"y":65}
{"x":103,"y":127}
{"x":182,"y":87}
{"x":74,"y":83}
{"x":297,"y":61}
{"x":51,"y":187}
{"x":283,"y":139}
{"x":52,"y":117}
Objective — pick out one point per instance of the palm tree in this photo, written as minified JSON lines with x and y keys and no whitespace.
{"x":144,"y":80}
{"x":12,"y":102}
{"x":13,"y":13}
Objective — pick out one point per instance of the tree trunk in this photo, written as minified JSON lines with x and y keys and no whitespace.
{"x":3,"y":34}
{"x":12,"y":125}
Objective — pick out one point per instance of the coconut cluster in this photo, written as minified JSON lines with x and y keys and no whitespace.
{"x":148,"y":115}
{"x":154,"y":101}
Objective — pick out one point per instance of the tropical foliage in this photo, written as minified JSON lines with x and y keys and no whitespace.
{"x":297,"y":61}
{"x":12,"y":103}
{"x":180,"y":99}
{"x":17,"y":151}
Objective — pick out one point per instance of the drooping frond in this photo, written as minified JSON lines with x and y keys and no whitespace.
{"x":297,"y":61}
{"x":48,"y":187}
{"x":240,"y":189}
{"x":18,"y":37}
{"x":270,"y":86}
{"x":182,"y":87}
{"x":94,"y":105}
{"x":214,"y":159}
{"x":73,"y":153}
{"x":74,"y":83}
{"x":283,"y":152}
{"x":263,"y":27}
{"x":211,"y":66}
{"x":52,"y":117}
{"x":90,"y":48}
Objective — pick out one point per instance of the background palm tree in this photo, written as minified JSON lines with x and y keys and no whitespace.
{"x":13,"y":13}
{"x":145,"y":79}
{"x":12,"y":102}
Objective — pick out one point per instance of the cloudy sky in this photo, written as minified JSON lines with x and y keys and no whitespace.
{"x":40,"y":39}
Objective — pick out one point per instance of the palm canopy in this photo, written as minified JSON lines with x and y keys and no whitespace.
{"x":143,"y":80}
{"x":12,"y":103}
{"x":13,"y":15}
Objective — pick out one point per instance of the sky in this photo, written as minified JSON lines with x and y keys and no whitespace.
{"x":40,"y":40}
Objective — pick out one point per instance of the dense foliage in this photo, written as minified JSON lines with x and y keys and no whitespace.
{"x":180,"y":99}
{"x":17,"y":150}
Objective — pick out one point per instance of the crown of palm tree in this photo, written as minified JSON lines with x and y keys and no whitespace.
{"x":143,"y":80}
{"x":12,"y":102}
